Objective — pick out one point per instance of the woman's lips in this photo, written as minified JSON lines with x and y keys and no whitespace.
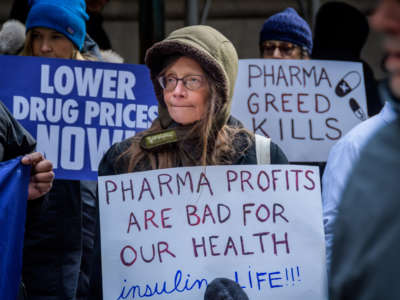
{"x":182,"y":106}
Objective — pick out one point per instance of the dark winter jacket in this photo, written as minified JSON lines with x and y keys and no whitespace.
{"x":217,"y":56}
{"x":14,"y":139}
{"x":344,"y":41}
{"x":59,"y":241}
{"x":111,"y":165}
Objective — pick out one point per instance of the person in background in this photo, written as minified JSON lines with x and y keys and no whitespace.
{"x":366,"y":242}
{"x":56,"y":36}
{"x":95,"y":23}
{"x":19,"y":12}
{"x":344,"y":41}
{"x":97,"y":39}
{"x":193,"y":72}
{"x":60,"y":232}
{"x":286,"y":35}
{"x":341,"y":160}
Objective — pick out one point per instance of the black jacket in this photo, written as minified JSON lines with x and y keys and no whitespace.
{"x":59,"y":241}
{"x":110,"y":165}
{"x":14,"y":139}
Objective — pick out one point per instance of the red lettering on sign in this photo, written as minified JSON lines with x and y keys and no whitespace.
{"x":145,"y":188}
{"x":167,"y":179}
{"x":110,"y":190}
{"x":244,"y":178}
{"x":231,"y":176}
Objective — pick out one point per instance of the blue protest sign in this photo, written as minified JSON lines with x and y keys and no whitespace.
{"x":14,"y":180}
{"x":77,"y":109}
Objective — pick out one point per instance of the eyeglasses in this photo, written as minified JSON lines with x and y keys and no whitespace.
{"x":191,"y":82}
{"x":285,"y":48}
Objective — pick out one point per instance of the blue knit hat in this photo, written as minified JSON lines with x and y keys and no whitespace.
{"x":287,"y":26}
{"x":65,"y":16}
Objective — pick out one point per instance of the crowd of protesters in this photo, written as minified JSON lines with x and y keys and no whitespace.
{"x":197,"y":66}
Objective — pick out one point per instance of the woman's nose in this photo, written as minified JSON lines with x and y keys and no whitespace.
{"x":277,"y":53}
{"x":180,"y":87}
{"x":45,"y":46}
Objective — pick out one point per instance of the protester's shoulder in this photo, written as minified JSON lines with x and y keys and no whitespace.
{"x":4,"y":122}
{"x":11,"y":132}
{"x":8,"y":120}
{"x":385,"y":144}
{"x":246,"y":143}
{"x":373,"y":186}
{"x":376,"y":174}
{"x":366,"y":128}
{"x":4,"y":113}
{"x":112,"y":162}
{"x":278,"y":157}
{"x":355,"y":139}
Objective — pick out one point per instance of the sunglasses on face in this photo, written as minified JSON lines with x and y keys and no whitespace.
{"x":285,"y":48}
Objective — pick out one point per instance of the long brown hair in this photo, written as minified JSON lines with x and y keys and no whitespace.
{"x":204,"y":143}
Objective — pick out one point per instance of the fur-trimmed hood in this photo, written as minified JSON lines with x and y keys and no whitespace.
{"x":12,"y":37}
{"x":212,"y":50}
{"x":111,"y":57}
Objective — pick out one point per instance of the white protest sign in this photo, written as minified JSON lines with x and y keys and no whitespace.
{"x":165,"y":234}
{"x":304,"y":106}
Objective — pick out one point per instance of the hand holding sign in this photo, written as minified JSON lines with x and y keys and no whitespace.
{"x":42,"y":174}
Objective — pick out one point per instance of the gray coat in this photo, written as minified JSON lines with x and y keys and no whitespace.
{"x":366,"y":247}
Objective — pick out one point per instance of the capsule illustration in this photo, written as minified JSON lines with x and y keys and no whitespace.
{"x":348,"y":83}
{"x":357,"y":110}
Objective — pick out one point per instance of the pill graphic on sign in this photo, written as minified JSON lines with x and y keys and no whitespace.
{"x":349,"y":82}
{"x":357,"y":110}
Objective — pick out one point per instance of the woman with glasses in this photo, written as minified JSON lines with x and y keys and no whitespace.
{"x":286,"y":35}
{"x":193,"y":72}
